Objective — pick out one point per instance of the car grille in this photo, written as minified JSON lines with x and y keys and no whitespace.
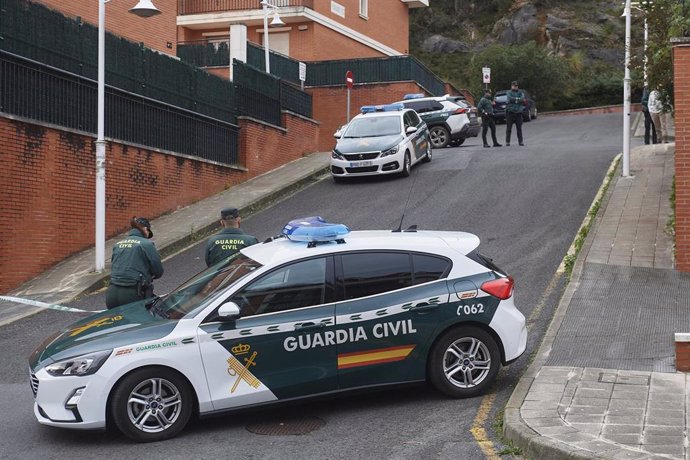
{"x":361,"y":156}
{"x":34,"y":383}
{"x":362,"y":170}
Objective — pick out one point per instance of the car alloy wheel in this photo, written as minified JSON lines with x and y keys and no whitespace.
{"x":439,"y":137}
{"x":152,"y":404}
{"x":464,"y":362}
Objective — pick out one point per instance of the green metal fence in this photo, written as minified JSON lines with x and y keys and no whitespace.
{"x":320,"y":73}
{"x":38,"y":33}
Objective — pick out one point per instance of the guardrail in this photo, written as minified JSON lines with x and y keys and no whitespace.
{"x":215,"y":6}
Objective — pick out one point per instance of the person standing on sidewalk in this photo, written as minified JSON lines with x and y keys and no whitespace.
{"x":656,"y":111}
{"x":648,"y":124}
{"x":135,"y":264}
{"x":229,"y":240}
{"x":514,"y":108}
{"x":486,"y":110}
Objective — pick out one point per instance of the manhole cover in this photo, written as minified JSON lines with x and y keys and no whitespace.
{"x":288,"y":426}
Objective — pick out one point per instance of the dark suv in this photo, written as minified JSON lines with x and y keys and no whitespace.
{"x":529,"y":112}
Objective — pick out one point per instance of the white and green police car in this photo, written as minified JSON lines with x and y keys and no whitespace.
{"x":319,"y":312}
{"x":382,"y":139}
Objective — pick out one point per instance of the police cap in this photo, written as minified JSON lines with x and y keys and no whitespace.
{"x":229,"y":213}
{"x":144,"y":222}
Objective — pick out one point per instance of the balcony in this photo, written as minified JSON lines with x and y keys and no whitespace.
{"x":185,"y":7}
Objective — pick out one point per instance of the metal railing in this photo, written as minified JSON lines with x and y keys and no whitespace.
{"x":39,"y":92}
{"x":215,"y":6}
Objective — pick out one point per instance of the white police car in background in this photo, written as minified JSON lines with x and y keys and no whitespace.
{"x":322,"y":311}
{"x":383,"y":139}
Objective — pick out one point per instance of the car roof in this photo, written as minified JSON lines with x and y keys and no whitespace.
{"x":448,"y":243}
{"x":388,"y":113}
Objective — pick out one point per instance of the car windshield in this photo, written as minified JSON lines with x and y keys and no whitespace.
{"x":375,"y":126}
{"x":205,"y":286}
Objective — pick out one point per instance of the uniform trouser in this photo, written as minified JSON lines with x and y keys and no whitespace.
{"x":489,"y":123}
{"x":659,"y":120}
{"x":121,"y":295}
{"x":510,"y":119}
{"x":649,"y":127}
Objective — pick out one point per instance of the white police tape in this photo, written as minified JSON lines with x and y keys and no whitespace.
{"x":50,"y":306}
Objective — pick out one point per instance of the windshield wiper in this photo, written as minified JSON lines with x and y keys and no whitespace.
{"x":154,"y":308}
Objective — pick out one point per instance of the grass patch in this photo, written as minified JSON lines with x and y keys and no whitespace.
{"x":510,"y":449}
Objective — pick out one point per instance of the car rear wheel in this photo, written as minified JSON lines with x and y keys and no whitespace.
{"x":152,"y":404}
{"x":439,"y":137}
{"x":427,"y":157}
{"x":407,"y":165}
{"x":464,"y":362}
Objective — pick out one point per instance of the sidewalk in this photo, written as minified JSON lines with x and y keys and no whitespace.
{"x":603,"y":383}
{"x":75,"y":276}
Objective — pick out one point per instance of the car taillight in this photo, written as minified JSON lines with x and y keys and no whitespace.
{"x":501,"y":288}
{"x":457,"y":111}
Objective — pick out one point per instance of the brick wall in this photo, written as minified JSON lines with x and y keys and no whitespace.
{"x":156,"y":32}
{"x":681,"y":76}
{"x":330,"y":104}
{"x":48,"y":188}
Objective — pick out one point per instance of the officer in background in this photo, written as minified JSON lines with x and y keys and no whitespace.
{"x":514,"y":108}
{"x":229,"y":240}
{"x":136,"y":263}
{"x":486,"y":110}
{"x":649,"y":127}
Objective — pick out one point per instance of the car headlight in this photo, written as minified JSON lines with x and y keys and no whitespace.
{"x":80,"y":365}
{"x":336,"y":155}
{"x":390,"y":151}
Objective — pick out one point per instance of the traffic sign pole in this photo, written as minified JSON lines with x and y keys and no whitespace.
{"x":349,"y":81}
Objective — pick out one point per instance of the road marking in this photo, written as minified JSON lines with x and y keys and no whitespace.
{"x":478,"y":431}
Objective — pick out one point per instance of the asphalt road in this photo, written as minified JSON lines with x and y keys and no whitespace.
{"x":526,"y":205}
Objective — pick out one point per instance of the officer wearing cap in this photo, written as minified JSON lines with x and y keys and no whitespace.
{"x":229,"y":240}
{"x":135,"y":264}
{"x":486,"y":110}
{"x":514,"y":108}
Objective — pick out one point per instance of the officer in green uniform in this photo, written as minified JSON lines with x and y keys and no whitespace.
{"x":486,"y":110}
{"x":229,"y":240}
{"x":136,"y":263}
{"x":514,"y":108}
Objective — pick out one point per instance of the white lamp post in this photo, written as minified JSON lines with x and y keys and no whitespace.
{"x":626,"y":94}
{"x":276,"y":22}
{"x":143,"y":9}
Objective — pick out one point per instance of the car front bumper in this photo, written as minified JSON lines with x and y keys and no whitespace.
{"x":53,"y":394}
{"x":389,"y":164}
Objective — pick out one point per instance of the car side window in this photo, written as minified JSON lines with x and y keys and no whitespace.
{"x":409,"y":119}
{"x":371,"y":273}
{"x":297,"y":285}
{"x":428,"y":268}
{"x":435,"y":105}
{"x":414,"y":119}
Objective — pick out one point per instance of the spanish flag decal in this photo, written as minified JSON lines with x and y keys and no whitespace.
{"x":378,"y":356}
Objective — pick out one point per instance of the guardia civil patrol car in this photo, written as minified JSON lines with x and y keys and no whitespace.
{"x":317,"y":311}
{"x":383,"y":139}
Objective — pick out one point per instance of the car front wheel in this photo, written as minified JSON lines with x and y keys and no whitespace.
{"x":427,"y":156}
{"x":464,"y":362}
{"x":152,"y":404}
{"x":439,"y":136}
{"x":407,"y":165}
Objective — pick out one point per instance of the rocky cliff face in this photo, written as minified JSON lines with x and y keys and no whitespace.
{"x":593,"y":29}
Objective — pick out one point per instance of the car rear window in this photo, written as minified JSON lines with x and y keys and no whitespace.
{"x":486,"y":262}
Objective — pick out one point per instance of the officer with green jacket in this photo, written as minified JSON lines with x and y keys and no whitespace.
{"x":514,"y":109}
{"x":229,"y":240}
{"x":486,"y":110}
{"x":135,"y":264}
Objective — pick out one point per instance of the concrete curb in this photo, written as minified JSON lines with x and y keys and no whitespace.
{"x":534,"y":445}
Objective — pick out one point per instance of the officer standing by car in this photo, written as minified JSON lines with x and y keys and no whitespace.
{"x":135,"y":264}
{"x":486,"y":110}
{"x":229,"y":240}
{"x":514,"y":109}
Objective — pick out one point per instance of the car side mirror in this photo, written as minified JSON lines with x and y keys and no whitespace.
{"x":228,"y":311}
{"x":411,"y":130}
{"x":337,"y":134}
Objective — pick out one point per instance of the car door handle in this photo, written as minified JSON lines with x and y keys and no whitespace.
{"x":424,"y":307}
{"x":309,"y":326}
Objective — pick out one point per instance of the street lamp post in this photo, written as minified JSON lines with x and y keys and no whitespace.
{"x":276,"y":22}
{"x":626,"y":94}
{"x":143,"y":9}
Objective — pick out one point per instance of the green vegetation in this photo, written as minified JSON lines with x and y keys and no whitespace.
{"x":557,"y":81}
